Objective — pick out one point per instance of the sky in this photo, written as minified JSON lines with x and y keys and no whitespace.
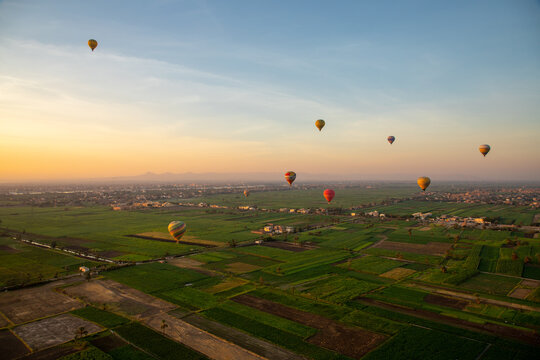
{"x":236,"y":86}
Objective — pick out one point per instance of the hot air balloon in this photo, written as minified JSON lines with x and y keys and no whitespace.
{"x":391,"y":139}
{"x":92,"y":43}
{"x":329,"y":194}
{"x":320,"y":124}
{"x":423,"y":182}
{"x":177,"y":229}
{"x":290,"y":176}
{"x":246,"y":193}
{"x":484,"y":149}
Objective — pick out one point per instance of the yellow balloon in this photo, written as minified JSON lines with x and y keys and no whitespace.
{"x":423,"y":182}
{"x":320,"y":124}
{"x":92,"y":43}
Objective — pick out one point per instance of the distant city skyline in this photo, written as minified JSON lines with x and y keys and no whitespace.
{"x":236,"y":87}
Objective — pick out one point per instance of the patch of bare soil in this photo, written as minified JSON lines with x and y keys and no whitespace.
{"x":11,"y":346}
{"x":111,"y":253}
{"x":445,"y":301}
{"x":258,"y":346}
{"x":108,"y":343}
{"x":188,"y":263}
{"x":285,"y":246}
{"x":530,"y":283}
{"x":8,"y":249}
{"x":432,"y":248}
{"x":146,"y":237}
{"x":199,"y":340}
{"x":520,"y":293}
{"x":54,"y":330}
{"x":127,"y":300}
{"x":493,"y":329}
{"x":24,"y":305}
{"x":332,"y":335}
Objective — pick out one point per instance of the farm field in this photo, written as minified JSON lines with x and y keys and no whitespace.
{"x":301,"y":198}
{"x":25,"y":264}
{"x":505,"y":214}
{"x":386,"y":283}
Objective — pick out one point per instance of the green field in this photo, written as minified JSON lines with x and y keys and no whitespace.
{"x":156,"y":344}
{"x":311,"y":198}
{"x":420,"y":343}
{"x":372,"y":264}
{"x":25,"y":264}
{"x":328,"y":267}
{"x":504,"y":214}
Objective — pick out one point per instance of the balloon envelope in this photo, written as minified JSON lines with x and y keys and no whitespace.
{"x":329,"y":194}
{"x":92,"y":43}
{"x":246,"y":193}
{"x":391,"y":139}
{"x":320,"y":124}
{"x":177,"y":229}
{"x":423,"y":182}
{"x":484,"y":149}
{"x":290,"y":176}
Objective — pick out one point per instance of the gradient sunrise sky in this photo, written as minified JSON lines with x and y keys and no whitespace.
{"x":235,"y":86}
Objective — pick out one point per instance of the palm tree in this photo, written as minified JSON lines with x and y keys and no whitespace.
{"x":81,"y":332}
{"x":164,"y":325}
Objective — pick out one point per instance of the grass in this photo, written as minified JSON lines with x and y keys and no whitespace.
{"x":419,"y":343}
{"x":129,"y":352}
{"x":372,"y":264}
{"x":401,"y":295}
{"x":490,"y":283}
{"x":25,"y":264}
{"x":189,"y":298}
{"x":423,"y":259}
{"x":330,"y":311}
{"x":531,"y":271}
{"x":101,"y":317}
{"x":270,"y":333}
{"x":268,"y":319}
{"x":156,"y":344}
{"x":155,"y":277}
{"x":308,"y":259}
{"x":90,"y":353}
{"x":339,"y":289}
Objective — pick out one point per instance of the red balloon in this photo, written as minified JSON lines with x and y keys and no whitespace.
{"x":329,"y":194}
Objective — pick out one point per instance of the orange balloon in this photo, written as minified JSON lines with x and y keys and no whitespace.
{"x":423,"y":182}
{"x":329,"y":194}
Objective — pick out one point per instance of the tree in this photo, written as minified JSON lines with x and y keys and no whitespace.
{"x":261,"y":280}
{"x":527,"y":260}
{"x":349,"y":264}
{"x":514,"y":255}
{"x":232,"y":243}
{"x":444,"y":269}
{"x":80,"y":333}
{"x":87,"y":276}
{"x":163,"y":325}
{"x":410,"y":232}
{"x":53,"y":244}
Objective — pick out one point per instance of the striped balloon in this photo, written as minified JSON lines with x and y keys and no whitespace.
{"x":290,"y":176}
{"x":484,"y":149}
{"x":177,"y":229}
